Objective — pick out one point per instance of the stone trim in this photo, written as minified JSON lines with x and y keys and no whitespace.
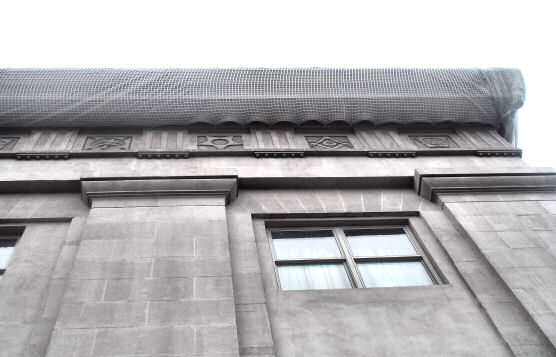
{"x":498,"y":153}
{"x":430,"y":183}
{"x":427,"y":183}
{"x":278,"y":154}
{"x":223,"y":186}
{"x":43,"y":156}
{"x":163,"y":154}
{"x":258,"y":154}
{"x":390,"y":154}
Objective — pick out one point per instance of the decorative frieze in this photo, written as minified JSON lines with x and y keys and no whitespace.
{"x":219,"y":142}
{"x":388,"y":140}
{"x":166,"y":140}
{"x":107,"y":143}
{"x":50,"y":141}
{"x":7,"y":142}
{"x":273,"y":139}
{"x":262,"y":143}
{"x":483,"y":139}
{"x":329,"y":142}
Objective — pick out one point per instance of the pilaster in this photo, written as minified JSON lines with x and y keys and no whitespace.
{"x":152,"y":275}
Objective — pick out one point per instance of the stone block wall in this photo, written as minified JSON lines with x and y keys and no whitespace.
{"x":150,"y":280}
{"x":516,"y":234}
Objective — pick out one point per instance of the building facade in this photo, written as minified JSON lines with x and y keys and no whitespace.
{"x":258,"y":212}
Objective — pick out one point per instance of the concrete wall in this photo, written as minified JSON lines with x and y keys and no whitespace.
{"x":433,"y":320}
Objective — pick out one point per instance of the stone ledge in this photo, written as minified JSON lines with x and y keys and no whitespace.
{"x":223,"y":186}
{"x":430,"y":183}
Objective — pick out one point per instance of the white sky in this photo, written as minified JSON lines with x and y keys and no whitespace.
{"x":388,"y":33}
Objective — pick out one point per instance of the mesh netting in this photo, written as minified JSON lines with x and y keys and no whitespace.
{"x":135,"y":97}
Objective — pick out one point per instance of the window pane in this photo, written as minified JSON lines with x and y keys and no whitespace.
{"x":394,"y":274}
{"x":5,"y":253}
{"x":305,"y":244}
{"x":372,"y":243}
{"x":313,"y":276}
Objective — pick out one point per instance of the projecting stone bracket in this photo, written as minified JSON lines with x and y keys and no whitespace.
{"x":278,"y":154}
{"x":206,"y":186}
{"x":395,"y":154}
{"x":499,"y":153}
{"x":55,"y":155}
{"x":430,"y":183}
{"x":163,"y":155}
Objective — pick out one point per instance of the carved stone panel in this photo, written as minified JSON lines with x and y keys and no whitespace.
{"x":219,"y":142}
{"x":7,"y":143}
{"x":434,"y":141}
{"x":107,"y":143}
{"x":329,"y":142}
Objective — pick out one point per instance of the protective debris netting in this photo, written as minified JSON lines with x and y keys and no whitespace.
{"x":154,"y":97}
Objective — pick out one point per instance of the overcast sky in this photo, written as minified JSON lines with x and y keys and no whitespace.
{"x":284,"y":33}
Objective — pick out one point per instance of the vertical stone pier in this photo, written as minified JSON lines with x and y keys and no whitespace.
{"x":152,"y":275}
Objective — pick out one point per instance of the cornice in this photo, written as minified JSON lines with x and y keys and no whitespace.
{"x":194,"y":186}
{"x":432,"y":183}
{"x":429,"y":183}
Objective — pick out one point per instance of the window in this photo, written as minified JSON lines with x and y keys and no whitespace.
{"x":7,"y":244}
{"x":338,"y":258}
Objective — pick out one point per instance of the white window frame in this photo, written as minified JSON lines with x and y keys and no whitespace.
{"x":348,"y":259}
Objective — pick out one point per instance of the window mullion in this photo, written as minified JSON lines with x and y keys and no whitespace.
{"x":351,"y":265}
{"x":273,"y":253}
{"x":424,"y":258}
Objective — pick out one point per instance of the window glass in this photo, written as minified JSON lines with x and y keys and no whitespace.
{"x":379,"y":256}
{"x":305,"y":244}
{"x":373,"y":243}
{"x":313,"y":276}
{"x":6,"y":250}
{"x":383,"y":274}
